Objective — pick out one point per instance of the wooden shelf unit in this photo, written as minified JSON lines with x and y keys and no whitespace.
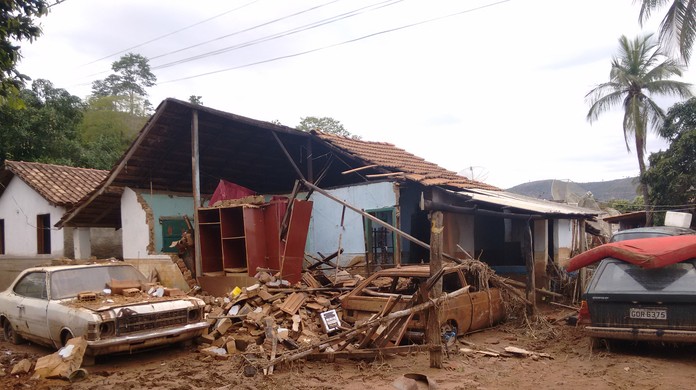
{"x":244,"y":237}
{"x":229,"y":239}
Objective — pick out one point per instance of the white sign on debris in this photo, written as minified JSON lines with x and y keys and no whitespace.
{"x":330,"y":320}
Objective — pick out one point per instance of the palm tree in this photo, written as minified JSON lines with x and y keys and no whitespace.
{"x":637,"y":72}
{"x":678,"y":28}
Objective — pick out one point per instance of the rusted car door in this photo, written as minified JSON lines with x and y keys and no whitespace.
{"x":487,"y":308}
{"x":457,"y":311}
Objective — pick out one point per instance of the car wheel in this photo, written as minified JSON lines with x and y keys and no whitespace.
{"x":64,"y":337}
{"x":11,"y":334}
{"x":597,"y":343}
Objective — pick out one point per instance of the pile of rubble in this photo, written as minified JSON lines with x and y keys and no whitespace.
{"x":271,"y":317}
{"x":272,"y":322}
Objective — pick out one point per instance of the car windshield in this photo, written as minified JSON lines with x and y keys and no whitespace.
{"x":636,"y":235}
{"x":626,"y":277}
{"x":69,"y":282}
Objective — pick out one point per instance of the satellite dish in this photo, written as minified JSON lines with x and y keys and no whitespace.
{"x":476,"y":173}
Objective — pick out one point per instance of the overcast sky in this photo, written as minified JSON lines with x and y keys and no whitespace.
{"x":493,"y":88}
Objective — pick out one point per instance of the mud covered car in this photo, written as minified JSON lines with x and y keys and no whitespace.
{"x":480,"y":307}
{"x":42,"y":305}
{"x":642,"y":290}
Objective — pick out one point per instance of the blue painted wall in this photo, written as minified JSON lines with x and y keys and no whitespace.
{"x":167,"y":206}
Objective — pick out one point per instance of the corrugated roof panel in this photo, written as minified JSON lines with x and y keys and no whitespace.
{"x":541,"y":206}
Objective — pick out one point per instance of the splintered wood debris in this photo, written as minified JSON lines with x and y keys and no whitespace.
{"x":269,"y":325}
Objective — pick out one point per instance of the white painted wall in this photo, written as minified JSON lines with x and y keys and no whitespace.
{"x":136,"y":232}
{"x":462,"y":234}
{"x":82,"y":244}
{"x":19,"y":206}
{"x":564,"y":233}
{"x":325,"y":224}
{"x":563,"y":239}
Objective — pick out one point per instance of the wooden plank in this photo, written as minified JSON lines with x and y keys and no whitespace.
{"x":528,"y":253}
{"x":293,"y":302}
{"x":433,"y":333}
{"x":369,"y":353}
{"x":195,"y":183}
{"x":325,"y":261}
{"x":255,"y":239}
{"x":388,"y":307}
{"x":272,"y":216}
{"x":310,"y":281}
{"x":401,"y":334}
{"x":359,"y":169}
{"x":295,"y":241}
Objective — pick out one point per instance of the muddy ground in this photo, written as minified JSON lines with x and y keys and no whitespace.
{"x":572,"y":365}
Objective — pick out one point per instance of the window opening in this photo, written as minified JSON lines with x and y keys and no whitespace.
{"x":43,"y":234}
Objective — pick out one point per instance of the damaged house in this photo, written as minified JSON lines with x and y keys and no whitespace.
{"x":33,"y":197}
{"x":306,"y":197}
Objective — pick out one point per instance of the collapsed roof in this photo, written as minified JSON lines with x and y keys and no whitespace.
{"x":252,"y":153}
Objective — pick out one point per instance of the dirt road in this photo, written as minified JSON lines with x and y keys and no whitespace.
{"x":571,"y":365}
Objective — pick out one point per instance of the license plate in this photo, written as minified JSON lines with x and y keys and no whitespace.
{"x":648,"y":314}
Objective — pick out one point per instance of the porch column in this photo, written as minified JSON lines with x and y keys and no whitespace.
{"x":82,"y":243}
{"x":541,"y":252}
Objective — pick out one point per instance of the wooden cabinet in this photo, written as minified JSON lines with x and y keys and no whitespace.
{"x":232,"y":239}
{"x":242,"y":238}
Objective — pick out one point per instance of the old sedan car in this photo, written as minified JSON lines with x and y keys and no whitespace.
{"x":480,"y":307}
{"x":42,"y":305}
{"x":642,"y":290}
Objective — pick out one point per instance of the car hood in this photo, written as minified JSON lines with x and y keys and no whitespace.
{"x":645,"y":252}
{"x":107,"y":303}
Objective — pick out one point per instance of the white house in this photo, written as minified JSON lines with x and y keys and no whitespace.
{"x":33,"y":197}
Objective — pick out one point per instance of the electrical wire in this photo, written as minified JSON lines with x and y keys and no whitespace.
{"x":337,"y":44}
{"x":56,"y":3}
{"x":282,"y":34}
{"x":245,"y":30}
{"x":201,"y":43}
{"x":170,"y":33}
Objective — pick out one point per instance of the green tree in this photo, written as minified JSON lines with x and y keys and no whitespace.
{"x":627,"y":206}
{"x":672,"y":173}
{"x":45,"y":129}
{"x":101,"y":117}
{"x":102,"y":151}
{"x":130,"y":79}
{"x":17,"y":23}
{"x":325,"y":124}
{"x":638,"y":72}
{"x":678,"y":27}
{"x":195,"y":99}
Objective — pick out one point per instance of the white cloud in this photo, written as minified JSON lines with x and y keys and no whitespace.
{"x":501,"y":88}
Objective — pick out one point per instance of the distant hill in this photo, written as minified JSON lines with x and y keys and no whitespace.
{"x":601,"y":190}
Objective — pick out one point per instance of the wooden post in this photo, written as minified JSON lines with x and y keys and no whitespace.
{"x":528,"y":252}
{"x":196,"y":187}
{"x":310,"y":161}
{"x":433,"y":332}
